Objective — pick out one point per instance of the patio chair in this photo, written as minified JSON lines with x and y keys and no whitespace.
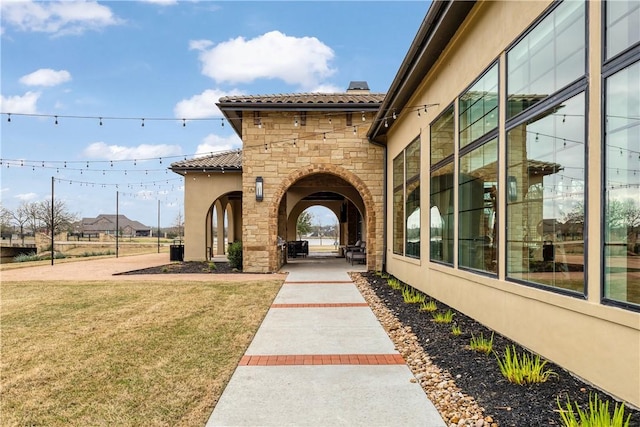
{"x":360,"y":255}
{"x":358,"y":250}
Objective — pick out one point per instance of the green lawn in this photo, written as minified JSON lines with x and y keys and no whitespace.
{"x":134,"y":353}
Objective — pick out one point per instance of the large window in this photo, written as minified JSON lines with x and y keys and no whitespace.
{"x":623,"y":26}
{"x":441,"y":218}
{"x":545,"y":197}
{"x":398,"y":204}
{"x":622,"y":186}
{"x":406,"y":201}
{"x":412,"y":154}
{"x":477,"y":204}
{"x":478,"y":108}
{"x":478,"y":174}
{"x":549,"y":57}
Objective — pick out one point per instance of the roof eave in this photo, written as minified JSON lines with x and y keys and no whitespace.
{"x":438,"y":27}
{"x":232,"y":111}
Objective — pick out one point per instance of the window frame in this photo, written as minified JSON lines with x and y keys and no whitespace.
{"x":610,"y":67}
{"x":433,"y":167}
{"x":571,"y":89}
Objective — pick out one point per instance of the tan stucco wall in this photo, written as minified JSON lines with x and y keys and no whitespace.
{"x":200,"y":192}
{"x":343,"y":154}
{"x":599,"y":343}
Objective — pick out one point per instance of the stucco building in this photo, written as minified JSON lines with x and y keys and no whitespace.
{"x":499,"y":174}
{"x":299,"y":150}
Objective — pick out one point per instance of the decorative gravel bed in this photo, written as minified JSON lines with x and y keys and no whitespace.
{"x":466,"y":386}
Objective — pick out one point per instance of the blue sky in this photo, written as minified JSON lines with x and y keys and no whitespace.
{"x":163,"y":59}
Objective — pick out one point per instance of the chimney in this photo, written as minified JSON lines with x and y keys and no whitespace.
{"x":358,"y":88}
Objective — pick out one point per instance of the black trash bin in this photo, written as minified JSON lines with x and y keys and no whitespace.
{"x":176,"y":252}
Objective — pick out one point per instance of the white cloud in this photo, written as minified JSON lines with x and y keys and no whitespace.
{"x":301,"y":61}
{"x":214,"y":144}
{"x":200,"y":44}
{"x":161,"y":2}
{"x":327,"y":88}
{"x":57,"y":17}
{"x":100,"y":150}
{"x":46,"y":77}
{"x":203,"y":105}
{"x":25,"y":104}
{"x":26,"y":197}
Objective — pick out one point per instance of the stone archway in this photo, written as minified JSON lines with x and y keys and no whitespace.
{"x":373,"y":221}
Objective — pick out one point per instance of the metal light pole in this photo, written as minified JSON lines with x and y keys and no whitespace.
{"x":117,"y":223}
{"x":52,"y":220}
{"x":158,"y":226}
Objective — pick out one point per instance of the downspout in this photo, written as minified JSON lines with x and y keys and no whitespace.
{"x":384,"y":203}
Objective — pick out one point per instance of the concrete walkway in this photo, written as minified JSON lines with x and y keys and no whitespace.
{"x":321,"y":358}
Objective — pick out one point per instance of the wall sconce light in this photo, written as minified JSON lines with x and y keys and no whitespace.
{"x":259,"y":189}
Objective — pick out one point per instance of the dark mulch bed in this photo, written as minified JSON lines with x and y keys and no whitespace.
{"x":479,"y":375}
{"x":188,"y":267}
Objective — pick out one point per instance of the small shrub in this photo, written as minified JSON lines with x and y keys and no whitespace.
{"x":446,"y":317}
{"x":165,"y":270}
{"x":32,"y":256}
{"x":212,"y":266}
{"x":429,"y":306}
{"x":235,"y":255}
{"x":524,"y":369}
{"x":597,"y":415}
{"x":394,"y":283}
{"x":481,"y":344}
{"x":412,"y":295}
{"x":456,"y":331}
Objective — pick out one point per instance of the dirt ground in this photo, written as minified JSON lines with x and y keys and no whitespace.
{"x":112,"y":268}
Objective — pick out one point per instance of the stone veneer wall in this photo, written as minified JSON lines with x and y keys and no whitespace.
{"x":325,"y":144}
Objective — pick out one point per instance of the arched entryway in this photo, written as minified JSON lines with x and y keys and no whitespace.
{"x":223,"y":223}
{"x":343,"y":193}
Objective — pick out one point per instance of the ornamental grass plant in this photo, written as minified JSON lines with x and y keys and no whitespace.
{"x":525,"y":368}
{"x":596,"y":415}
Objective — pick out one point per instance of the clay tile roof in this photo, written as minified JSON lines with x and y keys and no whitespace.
{"x":305,"y":98}
{"x":228,"y":160}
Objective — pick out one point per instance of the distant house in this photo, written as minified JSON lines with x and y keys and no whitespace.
{"x":107,"y":224}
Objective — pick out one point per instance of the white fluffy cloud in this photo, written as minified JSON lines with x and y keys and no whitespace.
{"x":26,"y":197}
{"x":214,"y":144}
{"x":161,"y":2}
{"x":57,"y":17}
{"x":46,"y":77}
{"x":100,"y":150}
{"x":25,"y":104}
{"x":301,"y":61}
{"x":203,"y":105}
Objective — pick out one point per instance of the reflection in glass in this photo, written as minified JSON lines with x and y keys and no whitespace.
{"x":548,"y":58}
{"x":398,"y":204}
{"x":442,"y":133}
{"x":623,"y":26}
{"x":622,"y":186}
{"x":545,"y":219}
{"x":478,"y":108}
{"x":413,"y":199}
{"x":441,"y":220}
{"x":477,"y":204}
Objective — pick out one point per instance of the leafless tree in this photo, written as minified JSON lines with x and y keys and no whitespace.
{"x":62,"y":218}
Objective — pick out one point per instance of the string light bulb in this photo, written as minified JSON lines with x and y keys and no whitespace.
{"x":142,"y":122}
{"x":9,"y":117}
{"x":363,"y":117}
{"x":100,"y":121}
{"x":386,"y":124}
{"x":394,"y":115}
{"x":56,"y":122}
